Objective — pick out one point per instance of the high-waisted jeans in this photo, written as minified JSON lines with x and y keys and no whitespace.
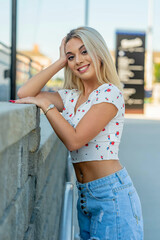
{"x":109,"y":208}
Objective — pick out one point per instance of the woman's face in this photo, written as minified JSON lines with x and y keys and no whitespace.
{"x":78,"y":59}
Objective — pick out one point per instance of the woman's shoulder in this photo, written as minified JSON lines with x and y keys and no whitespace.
{"x":109,"y":93}
{"x":110,"y":87}
{"x":107,"y":89}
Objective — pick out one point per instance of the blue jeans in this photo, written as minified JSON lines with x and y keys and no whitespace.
{"x":109,"y":208}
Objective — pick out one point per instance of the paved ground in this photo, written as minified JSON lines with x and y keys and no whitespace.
{"x":140,"y":154}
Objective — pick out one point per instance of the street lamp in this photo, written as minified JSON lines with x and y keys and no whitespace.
{"x":86,"y":12}
{"x":149,"y":49}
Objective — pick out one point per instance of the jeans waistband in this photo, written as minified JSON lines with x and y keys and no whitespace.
{"x":117,"y":176}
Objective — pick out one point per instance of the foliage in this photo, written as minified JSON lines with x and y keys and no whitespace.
{"x":157,"y":72}
{"x":57,"y":82}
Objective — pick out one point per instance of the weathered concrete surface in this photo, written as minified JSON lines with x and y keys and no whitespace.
{"x":32,"y":174}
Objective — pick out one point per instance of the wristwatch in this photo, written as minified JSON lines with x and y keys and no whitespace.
{"x":51,"y":106}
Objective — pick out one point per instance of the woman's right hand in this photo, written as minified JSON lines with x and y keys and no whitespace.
{"x":63,"y":56}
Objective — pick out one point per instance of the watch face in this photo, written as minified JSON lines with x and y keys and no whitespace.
{"x":51,"y":105}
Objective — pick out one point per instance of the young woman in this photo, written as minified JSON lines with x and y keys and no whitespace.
{"x":90,"y":126}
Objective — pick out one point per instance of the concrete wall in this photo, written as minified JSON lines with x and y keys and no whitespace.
{"x":32,"y":174}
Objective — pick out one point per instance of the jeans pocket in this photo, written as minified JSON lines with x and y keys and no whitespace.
{"x":135,"y":204}
{"x":102,"y":193}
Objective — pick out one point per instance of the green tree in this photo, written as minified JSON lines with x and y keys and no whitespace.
{"x":157,"y":72}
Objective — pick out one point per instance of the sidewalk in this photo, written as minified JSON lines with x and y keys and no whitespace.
{"x":151,"y":111}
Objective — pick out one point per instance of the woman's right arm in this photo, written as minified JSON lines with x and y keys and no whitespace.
{"x":34,"y":85}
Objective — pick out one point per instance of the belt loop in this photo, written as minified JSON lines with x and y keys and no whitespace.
{"x":120,"y":179}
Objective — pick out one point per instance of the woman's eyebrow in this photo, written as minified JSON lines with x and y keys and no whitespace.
{"x":79,"y":49}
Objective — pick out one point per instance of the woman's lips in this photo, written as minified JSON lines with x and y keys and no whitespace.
{"x":83,"y":69}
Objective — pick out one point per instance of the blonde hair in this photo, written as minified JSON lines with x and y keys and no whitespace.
{"x":97,"y":50}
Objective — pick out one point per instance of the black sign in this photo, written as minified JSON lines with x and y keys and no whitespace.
{"x":130,"y":55}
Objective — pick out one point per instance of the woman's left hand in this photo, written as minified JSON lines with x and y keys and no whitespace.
{"x":30,"y":100}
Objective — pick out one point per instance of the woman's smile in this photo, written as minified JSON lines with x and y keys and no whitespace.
{"x":83,"y":69}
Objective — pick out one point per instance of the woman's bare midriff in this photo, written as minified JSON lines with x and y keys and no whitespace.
{"x":92,"y":170}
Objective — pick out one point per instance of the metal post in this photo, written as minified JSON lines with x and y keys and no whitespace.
{"x":149,"y":47}
{"x":86,"y":12}
{"x":13,"y":51}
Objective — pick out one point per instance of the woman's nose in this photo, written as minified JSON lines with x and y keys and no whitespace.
{"x":79,"y":59}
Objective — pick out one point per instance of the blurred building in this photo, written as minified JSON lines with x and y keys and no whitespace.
{"x":29,"y":63}
{"x":37,"y":56}
{"x":156,"y":57}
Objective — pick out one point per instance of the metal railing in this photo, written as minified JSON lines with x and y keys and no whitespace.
{"x":66,"y":224}
{"x":6,"y":50}
{"x":66,"y":229}
{"x":26,"y":67}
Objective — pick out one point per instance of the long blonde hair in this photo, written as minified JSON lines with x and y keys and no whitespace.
{"x":97,"y":50}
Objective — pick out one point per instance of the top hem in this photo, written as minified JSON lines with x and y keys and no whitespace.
{"x":89,"y":160}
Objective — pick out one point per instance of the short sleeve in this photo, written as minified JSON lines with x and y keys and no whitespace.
{"x":64,"y":93}
{"x":111,"y":94}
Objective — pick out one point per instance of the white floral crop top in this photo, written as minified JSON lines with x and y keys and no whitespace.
{"x":106,"y":144}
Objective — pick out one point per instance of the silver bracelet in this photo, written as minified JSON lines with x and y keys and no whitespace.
{"x":51,"y":106}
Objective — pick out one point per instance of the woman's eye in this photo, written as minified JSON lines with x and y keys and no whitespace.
{"x":70,"y":58}
{"x":84,"y":52}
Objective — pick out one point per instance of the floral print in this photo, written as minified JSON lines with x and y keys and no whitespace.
{"x":105,"y":145}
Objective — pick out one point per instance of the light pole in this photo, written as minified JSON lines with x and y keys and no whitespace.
{"x":86,"y":12}
{"x":13,"y":51}
{"x":149,"y":49}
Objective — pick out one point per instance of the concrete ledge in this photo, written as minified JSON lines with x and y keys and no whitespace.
{"x":16,"y":120}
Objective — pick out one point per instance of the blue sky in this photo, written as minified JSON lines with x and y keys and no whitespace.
{"x":46,"y":22}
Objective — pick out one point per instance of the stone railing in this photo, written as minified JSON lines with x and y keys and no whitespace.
{"x":33,"y":164}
